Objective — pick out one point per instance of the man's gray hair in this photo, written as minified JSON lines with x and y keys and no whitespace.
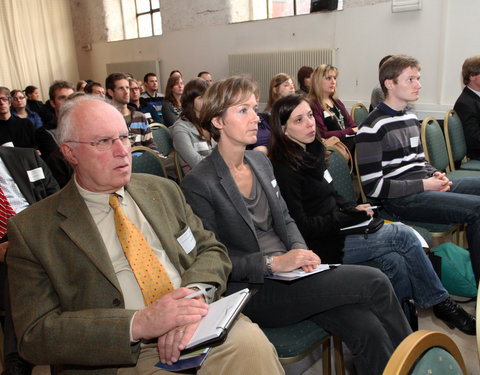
{"x":65,"y":127}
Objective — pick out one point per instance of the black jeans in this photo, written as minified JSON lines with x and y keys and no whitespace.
{"x":355,"y":303}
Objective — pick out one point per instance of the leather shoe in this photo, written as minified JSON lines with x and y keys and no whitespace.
{"x":455,"y":316}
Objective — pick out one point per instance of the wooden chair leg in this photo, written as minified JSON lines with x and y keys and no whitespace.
{"x":338,"y":349}
{"x":326,"y":354}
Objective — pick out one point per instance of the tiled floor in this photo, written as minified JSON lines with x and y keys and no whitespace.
{"x":467,"y":345}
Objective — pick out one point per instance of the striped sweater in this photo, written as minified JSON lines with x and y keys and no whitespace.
{"x":390,"y":156}
{"x":138,"y":130}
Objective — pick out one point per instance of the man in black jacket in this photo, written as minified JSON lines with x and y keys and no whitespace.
{"x":467,"y":106}
{"x":24,"y":180}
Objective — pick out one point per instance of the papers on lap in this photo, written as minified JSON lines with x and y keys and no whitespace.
{"x":299,"y":273}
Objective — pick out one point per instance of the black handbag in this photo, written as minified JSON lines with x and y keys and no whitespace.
{"x":375,"y":224}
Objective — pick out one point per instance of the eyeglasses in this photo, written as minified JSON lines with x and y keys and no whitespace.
{"x":5,"y":99}
{"x":135,"y":88}
{"x":18,"y":98}
{"x":106,"y":144}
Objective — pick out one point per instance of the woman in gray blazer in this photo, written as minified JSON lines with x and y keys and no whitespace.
{"x":191,"y":142}
{"x":236,"y":195}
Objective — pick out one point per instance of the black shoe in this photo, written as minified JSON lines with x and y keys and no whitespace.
{"x":455,"y":316}
{"x":18,"y":367}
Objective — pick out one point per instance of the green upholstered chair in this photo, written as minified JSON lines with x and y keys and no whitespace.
{"x":163,"y":139}
{"x":294,"y":342}
{"x":359,"y":113}
{"x":456,"y":145}
{"x":145,"y":160}
{"x":426,"y":352}
{"x":435,"y":149}
{"x":341,"y":177}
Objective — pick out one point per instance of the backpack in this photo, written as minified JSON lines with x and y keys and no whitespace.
{"x":456,"y":270}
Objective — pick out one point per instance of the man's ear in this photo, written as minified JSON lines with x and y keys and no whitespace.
{"x":67,"y":151}
{"x":52,"y":103}
{"x":110,"y":93}
{"x":389,"y":84}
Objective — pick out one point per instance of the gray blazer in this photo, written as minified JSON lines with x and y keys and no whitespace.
{"x":215,"y":198}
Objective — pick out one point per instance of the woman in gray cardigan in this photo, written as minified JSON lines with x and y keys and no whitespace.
{"x":190,"y":140}
{"x":235,"y":194}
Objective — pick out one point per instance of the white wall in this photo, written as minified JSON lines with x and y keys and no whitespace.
{"x":363,"y":35}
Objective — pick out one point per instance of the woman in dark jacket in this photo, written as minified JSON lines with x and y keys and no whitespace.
{"x":302,"y":174}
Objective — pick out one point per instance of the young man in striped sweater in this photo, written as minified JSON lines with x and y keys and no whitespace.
{"x":393,"y":169}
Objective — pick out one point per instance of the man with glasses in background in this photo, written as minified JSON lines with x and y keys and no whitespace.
{"x":14,"y":131}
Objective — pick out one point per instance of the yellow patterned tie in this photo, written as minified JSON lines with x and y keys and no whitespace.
{"x":149,"y":272}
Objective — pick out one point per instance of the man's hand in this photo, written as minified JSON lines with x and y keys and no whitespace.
{"x":167,"y":313}
{"x":296,"y":258}
{"x":438,"y":182}
{"x":172,"y":343}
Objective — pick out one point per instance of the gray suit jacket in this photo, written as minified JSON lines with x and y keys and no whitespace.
{"x":213,"y":194}
{"x":70,"y":311}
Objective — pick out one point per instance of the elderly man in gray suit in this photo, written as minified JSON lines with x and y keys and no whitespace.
{"x":84,"y":308}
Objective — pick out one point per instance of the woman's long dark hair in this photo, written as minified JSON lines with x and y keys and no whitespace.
{"x":282,"y":149}
{"x":193,"y":89}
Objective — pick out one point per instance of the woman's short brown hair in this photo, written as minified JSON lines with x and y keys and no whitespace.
{"x":223,"y":95}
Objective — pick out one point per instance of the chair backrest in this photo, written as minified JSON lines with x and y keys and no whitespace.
{"x":162,"y":138}
{"x":425,"y":352}
{"x":360,"y":187}
{"x":434,"y":144}
{"x":341,"y":177}
{"x":455,"y":138}
{"x":145,"y":160}
{"x":359,"y":113}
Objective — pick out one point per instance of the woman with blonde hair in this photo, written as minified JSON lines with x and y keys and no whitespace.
{"x":281,"y":85}
{"x":235,"y":194}
{"x":331,"y":116}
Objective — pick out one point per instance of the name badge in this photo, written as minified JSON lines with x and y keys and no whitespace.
{"x":326,"y":114}
{"x":327,"y":176}
{"x":200,"y":146}
{"x":35,"y":174}
{"x":138,"y":138}
{"x":148,"y":115}
{"x":187,"y":241}
{"x":274,"y":183}
{"x":414,"y":141}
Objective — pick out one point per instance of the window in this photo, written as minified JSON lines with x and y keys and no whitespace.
{"x":149,"y":21}
{"x":139,"y":19}
{"x":248,"y":10}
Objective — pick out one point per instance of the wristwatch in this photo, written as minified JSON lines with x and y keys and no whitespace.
{"x":269,"y":264}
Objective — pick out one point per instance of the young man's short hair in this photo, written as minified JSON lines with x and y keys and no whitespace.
{"x":471,"y":67}
{"x":112,"y":78}
{"x":393,"y":67}
{"x":147,"y":76}
{"x":56,"y":85}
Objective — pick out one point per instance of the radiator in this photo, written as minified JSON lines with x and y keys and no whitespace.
{"x":262,"y":67}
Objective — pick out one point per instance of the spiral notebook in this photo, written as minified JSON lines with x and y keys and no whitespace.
{"x":213,"y":327}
